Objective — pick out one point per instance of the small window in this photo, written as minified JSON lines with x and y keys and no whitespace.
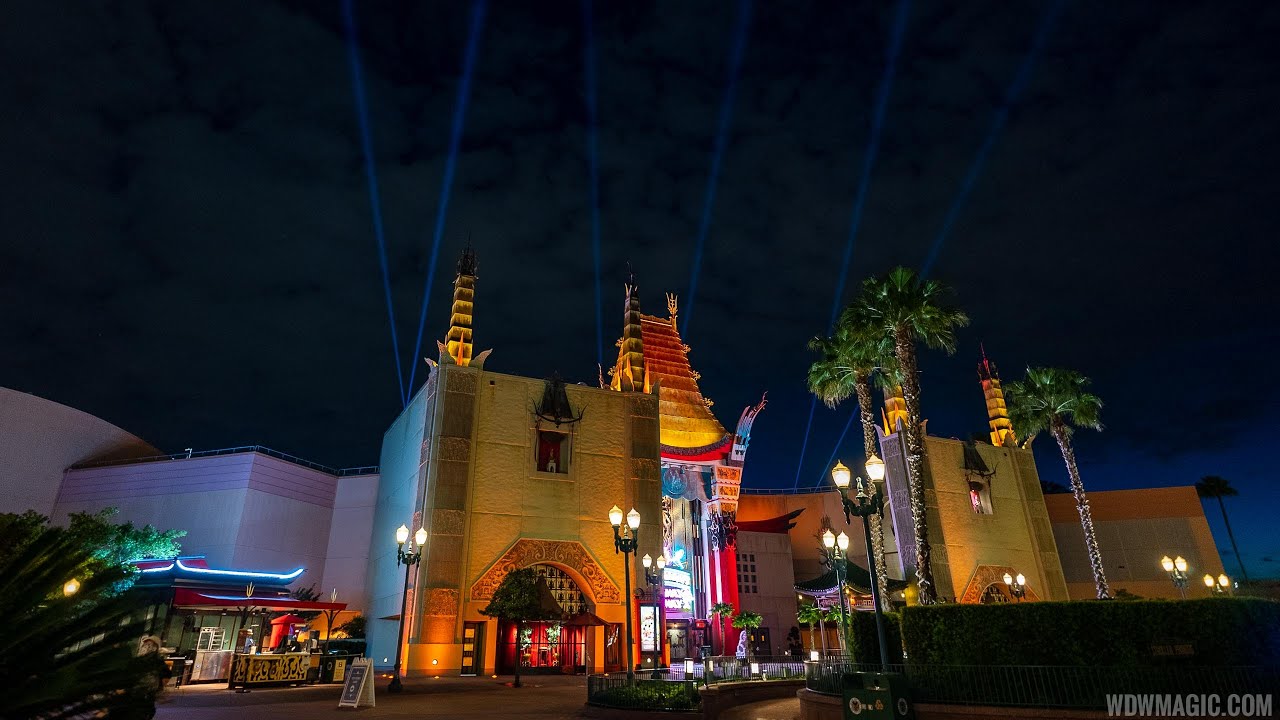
{"x":553,"y":452}
{"x":980,"y":497}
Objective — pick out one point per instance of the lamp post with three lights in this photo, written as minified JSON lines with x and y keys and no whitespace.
{"x":408,"y":558}
{"x":837,"y":545}
{"x":625,"y":541}
{"x":868,"y":501}
{"x":654,"y":581}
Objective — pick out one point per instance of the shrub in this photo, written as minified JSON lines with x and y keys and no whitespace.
{"x":652,"y":695}
{"x":1221,"y":631}
{"x":865,"y":641}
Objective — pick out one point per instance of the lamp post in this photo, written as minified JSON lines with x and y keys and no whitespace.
{"x":864,"y":505}
{"x":1017,"y":586}
{"x":1218,"y":585}
{"x":1177,"y":569}
{"x":625,"y":540}
{"x":837,"y":545}
{"x":654,"y":580}
{"x":408,"y":558}
{"x":71,"y":587}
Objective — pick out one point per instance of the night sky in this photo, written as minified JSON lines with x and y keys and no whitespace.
{"x":189,"y":252}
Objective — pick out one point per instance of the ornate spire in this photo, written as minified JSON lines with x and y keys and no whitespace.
{"x":672,"y":308}
{"x":895,"y":410}
{"x":997,"y":413}
{"x":628,"y":374}
{"x":458,"y":341}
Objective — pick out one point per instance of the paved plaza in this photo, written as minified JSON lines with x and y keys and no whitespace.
{"x":542,"y":697}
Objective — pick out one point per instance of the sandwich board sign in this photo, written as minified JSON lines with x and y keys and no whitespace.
{"x":357,"y":689}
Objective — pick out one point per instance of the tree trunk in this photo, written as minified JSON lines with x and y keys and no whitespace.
{"x":1059,"y":430}
{"x":519,"y":637}
{"x":904,"y":349}
{"x":862,"y":385}
{"x":1244,"y":574}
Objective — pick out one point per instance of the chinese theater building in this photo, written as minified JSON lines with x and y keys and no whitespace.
{"x":508,"y":472}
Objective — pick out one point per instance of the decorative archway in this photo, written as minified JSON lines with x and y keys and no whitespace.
{"x":985,"y":576}
{"x":568,"y":555}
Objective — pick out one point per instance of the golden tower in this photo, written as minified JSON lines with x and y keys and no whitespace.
{"x":458,"y":341}
{"x":997,"y":412}
{"x":629,"y":373}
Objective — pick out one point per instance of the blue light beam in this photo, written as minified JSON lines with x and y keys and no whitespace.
{"x":451,"y":161}
{"x":1001,"y":118}
{"x":737,"y":52}
{"x":371,"y":176}
{"x":859,"y":202}
{"x":593,"y":165}
{"x":836,"y":450}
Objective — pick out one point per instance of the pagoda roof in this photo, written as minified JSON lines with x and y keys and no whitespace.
{"x":686,"y":421}
{"x":855,"y":576}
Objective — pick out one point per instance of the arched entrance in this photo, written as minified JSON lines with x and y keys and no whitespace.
{"x":554,"y":646}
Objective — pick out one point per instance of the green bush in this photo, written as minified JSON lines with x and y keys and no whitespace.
{"x":652,"y":695}
{"x":1220,"y":631}
{"x":865,"y":641}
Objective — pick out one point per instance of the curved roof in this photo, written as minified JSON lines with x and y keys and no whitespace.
{"x":686,"y":421}
{"x":39,"y":439}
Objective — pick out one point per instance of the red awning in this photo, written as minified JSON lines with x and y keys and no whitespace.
{"x":187,"y":598}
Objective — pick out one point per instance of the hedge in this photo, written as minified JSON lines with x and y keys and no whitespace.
{"x":651,"y":695}
{"x":865,"y":642}
{"x":1218,"y":631}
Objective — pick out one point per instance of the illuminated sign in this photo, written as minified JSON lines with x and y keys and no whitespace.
{"x":678,"y":591}
{"x":648,"y":628}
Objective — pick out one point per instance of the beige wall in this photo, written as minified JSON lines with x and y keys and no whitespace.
{"x":804,"y":537}
{"x":971,"y":550}
{"x":775,"y":596}
{"x":1135,"y":528}
{"x":483,"y":497}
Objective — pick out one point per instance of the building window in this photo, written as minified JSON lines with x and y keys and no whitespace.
{"x":980,"y":497}
{"x":747,"y":573}
{"x":552,"y":452}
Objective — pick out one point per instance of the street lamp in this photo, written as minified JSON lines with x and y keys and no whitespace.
{"x":1177,"y":569}
{"x":837,"y":546}
{"x":865,"y":503}
{"x":408,"y":558}
{"x":71,"y":587}
{"x":654,"y":579}
{"x":625,"y":540}
{"x":1017,"y":586}
{"x":1219,"y":584}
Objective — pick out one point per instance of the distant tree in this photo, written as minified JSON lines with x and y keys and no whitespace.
{"x":1049,"y":487}
{"x":1212,"y":486}
{"x":107,"y":545}
{"x":68,"y":651}
{"x":748,"y":620}
{"x":810,"y":615}
{"x":518,"y":600}
{"x":723,"y":611}
{"x":1057,"y":400}
{"x":353,"y":628}
{"x":306,"y":594}
{"x":907,"y":309}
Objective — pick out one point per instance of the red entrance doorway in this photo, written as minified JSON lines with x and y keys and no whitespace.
{"x":548,"y":647}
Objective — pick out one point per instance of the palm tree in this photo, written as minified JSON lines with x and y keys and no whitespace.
{"x":1056,"y":400}
{"x":907,"y":309}
{"x":748,"y":620}
{"x":1212,"y":486}
{"x":810,"y":615}
{"x":723,"y":611}
{"x":851,"y":357}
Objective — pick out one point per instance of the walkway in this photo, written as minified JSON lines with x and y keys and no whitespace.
{"x":541,"y":698}
{"x":784,"y":709}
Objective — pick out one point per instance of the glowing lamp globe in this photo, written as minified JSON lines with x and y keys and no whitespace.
{"x":633,"y":519}
{"x":688,"y":667}
{"x":420,"y":537}
{"x":1208,"y":581}
{"x":841,"y":475}
{"x":875,"y":468}
{"x":646,"y":561}
{"x":402,"y":534}
{"x":828,"y":539}
{"x":662,"y":562}
{"x":71,"y":587}
{"x":1223,"y":580}
{"x":615,"y":516}
{"x":1166,"y":562}
{"x":1180,"y":563}
{"x":843,"y":541}
{"x":1022,"y":579}
{"x":1008,"y":579}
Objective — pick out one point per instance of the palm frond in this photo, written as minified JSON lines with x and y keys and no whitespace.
{"x":1049,"y":396}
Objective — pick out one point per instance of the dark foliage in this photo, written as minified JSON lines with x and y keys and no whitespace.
{"x":1221,"y":631}
{"x":64,"y":657}
{"x":865,"y":641}
{"x":353,"y":628}
{"x":651,"y":695}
